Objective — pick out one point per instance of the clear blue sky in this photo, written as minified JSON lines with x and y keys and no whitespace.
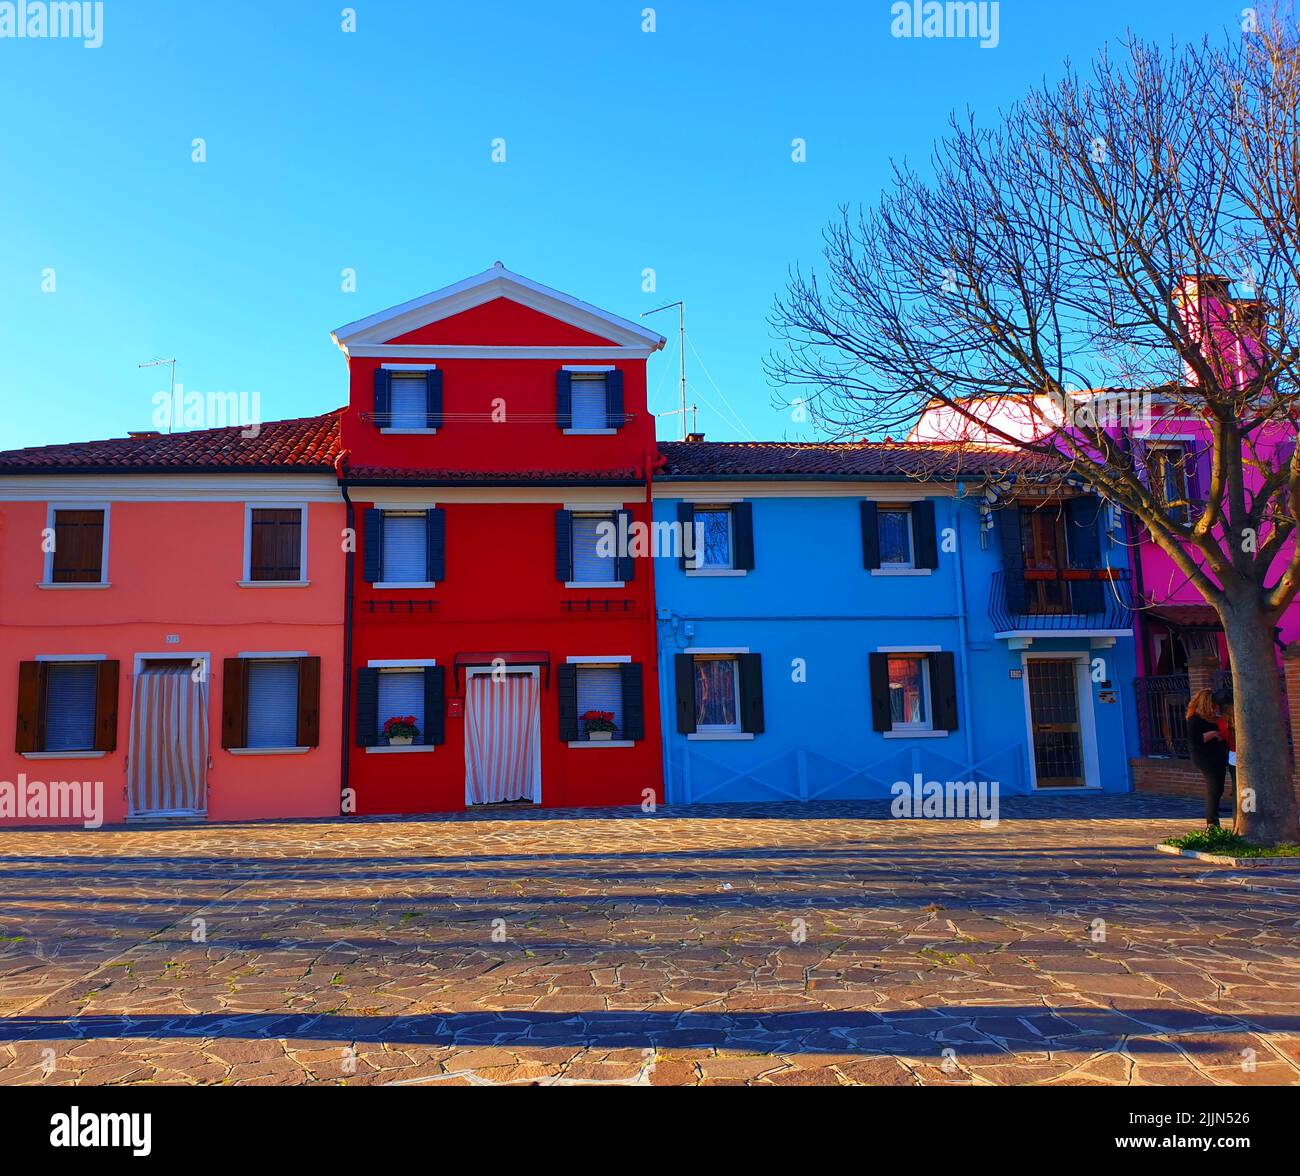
{"x":371,"y":150}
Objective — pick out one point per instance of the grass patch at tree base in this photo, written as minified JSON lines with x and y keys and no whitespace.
{"x":1226,"y":842}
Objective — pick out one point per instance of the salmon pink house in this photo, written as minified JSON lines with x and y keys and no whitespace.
{"x":170,"y":626}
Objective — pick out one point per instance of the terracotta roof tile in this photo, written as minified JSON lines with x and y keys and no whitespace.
{"x":365,"y":474}
{"x":303,"y":443}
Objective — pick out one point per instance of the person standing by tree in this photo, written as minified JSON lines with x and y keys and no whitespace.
{"x":1209,"y":750}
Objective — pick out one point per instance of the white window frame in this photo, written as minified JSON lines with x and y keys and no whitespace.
{"x":718,"y":730}
{"x":270,"y":655}
{"x":400,"y":663}
{"x":600,"y":661}
{"x":590,"y":509}
{"x":589,"y":369}
{"x":926,"y":727}
{"x":406,"y":509}
{"x":408,"y":369}
{"x":695,"y":567}
{"x":246,"y":580}
{"x":910,"y":563}
{"x":47,"y":573}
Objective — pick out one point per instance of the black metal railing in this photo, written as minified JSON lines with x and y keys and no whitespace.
{"x":1161,"y":711}
{"x":1037,"y":599}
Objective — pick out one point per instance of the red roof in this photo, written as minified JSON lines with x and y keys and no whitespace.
{"x":303,"y":443}
{"x":1187,"y":616}
{"x":363,"y":475}
{"x":721,"y":460}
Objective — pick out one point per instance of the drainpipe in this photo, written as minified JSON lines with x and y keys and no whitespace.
{"x":653,"y":458}
{"x":962,"y":632}
{"x":350,"y":564}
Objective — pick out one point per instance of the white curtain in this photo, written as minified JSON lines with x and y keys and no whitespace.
{"x":501,"y":752}
{"x":169,"y":742}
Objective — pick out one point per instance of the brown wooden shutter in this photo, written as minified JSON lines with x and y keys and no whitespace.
{"x":234,"y":702}
{"x":78,"y":547}
{"x":31,"y":709}
{"x":309,"y":702}
{"x":275,"y":544}
{"x":106,"y":706}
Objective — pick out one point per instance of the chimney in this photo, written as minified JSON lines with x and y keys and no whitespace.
{"x":143,"y":433}
{"x":695,"y":438}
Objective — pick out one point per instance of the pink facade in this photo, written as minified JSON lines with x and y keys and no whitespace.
{"x":176,"y":591}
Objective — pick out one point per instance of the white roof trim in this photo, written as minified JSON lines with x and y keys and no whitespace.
{"x":497,"y":282}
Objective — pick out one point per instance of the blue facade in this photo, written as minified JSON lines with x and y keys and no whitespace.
{"x":956,"y":649}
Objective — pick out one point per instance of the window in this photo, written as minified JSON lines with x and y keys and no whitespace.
{"x":895,"y":525}
{"x":1167,"y":470}
{"x":714,"y":538}
{"x":270,"y":702}
{"x":275,"y":545}
{"x":589,"y":403}
{"x":78,"y":555}
{"x":67,"y":707}
{"x":410,"y":401}
{"x":401,"y":696}
{"x":600,"y":688}
{"x":594,"y":562}
{"x":913,"y":693}
{"x":717,"y":694}
{"x":909,"y":693}
{"x":405,"y":548}
{"x":70,"y":706}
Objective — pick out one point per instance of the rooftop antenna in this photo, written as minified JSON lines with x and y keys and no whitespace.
{"x":681,"y":340}
{"x":171,"y":398}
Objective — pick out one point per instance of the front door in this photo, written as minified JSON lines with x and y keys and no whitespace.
{"x":1054,"y":720}
{"x":167,"y":774}
{"x":502,"y":737}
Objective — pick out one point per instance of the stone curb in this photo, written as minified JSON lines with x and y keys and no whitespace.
{"x":1223,"y":859}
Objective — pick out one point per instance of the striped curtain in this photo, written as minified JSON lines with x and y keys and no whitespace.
{"x":501,"y":752}
{"x":169,"y":742}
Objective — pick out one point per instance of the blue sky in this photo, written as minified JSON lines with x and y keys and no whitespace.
{"x":372,"y":150}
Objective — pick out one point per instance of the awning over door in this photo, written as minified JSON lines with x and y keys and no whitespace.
{"x":1186,"y":616}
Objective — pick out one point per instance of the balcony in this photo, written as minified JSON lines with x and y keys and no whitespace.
{"x":1029,"y":602}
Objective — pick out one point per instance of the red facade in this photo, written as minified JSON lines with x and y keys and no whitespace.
{"x":461,"y":520}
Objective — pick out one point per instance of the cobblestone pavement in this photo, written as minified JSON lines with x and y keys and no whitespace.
{"x":818,"y":944}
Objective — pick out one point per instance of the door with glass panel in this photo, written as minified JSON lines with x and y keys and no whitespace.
{"x":1054,"y":720}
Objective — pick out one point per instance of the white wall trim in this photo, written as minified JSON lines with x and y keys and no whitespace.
{"x":909,"y":648}
{"x":594,"y":584}
{"x":466,"y":351}
{"x":273,"y":655}
{"x":409,"y":367}
{"x":588,"y":367}
{"x":80,"y":491}
{"x":716,"y":649}
{"x":598,"y":659}
{"x":175,"y":655}
{"x":274,"y":504}
{"x":401,"y":663}
{"x":901,"y":492}
{"x":594,"y":507}
{"x":601,"y":743}
{"x":70,"y":657}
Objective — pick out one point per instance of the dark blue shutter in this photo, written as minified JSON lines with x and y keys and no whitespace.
{"x":751,"y":692}
{"x":566,"y":685}
{"x":882,"y":717}
{"x":614,"y":400}
{"x":686,"y":525}
{"x":943,"y":690}
{"x":367,"y":708}
{"x":925,"y":541}
{"x":564,"y":545}
{"x":564,"y":399}
{"x":626,"y":565}
{"x":383,"y":398}
{"x":684,"y":678}
{"x":1013,"y":558}
{"x":742,"y":524}
{"x":372,"y":552}
{"x":435,"y":538}
{"x":435,"y":706}
{"x":870,"y":535}
{"x":633,"y":701}
{"x":433,"y":399}
{"x":1082,"y":518}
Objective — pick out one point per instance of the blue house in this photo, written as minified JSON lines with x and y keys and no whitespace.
{"x":856,"y":615}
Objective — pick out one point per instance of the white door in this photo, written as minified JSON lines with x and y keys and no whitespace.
{"x":503,"y":737}
{"x":168,"y":771}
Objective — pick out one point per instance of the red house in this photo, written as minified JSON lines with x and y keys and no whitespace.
{"x":499,"y":652}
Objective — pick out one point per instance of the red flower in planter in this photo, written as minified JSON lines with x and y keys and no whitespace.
{"x":598,"y":720}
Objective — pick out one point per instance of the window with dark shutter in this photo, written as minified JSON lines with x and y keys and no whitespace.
{"x":435,"y":706}
{"x":271,"y":699}
{"x":436,"y":545}
{"x":751,"y":692}
{"x":106,"y":706}
{"x":367,"y":718}
{"x":69,"y":704}
{"x":234,"y":702}
{"x":615,"y":418}
{"x":684,"y":688}
{"x":589,"y":410}
{"x":564,"y":399}
{"x":926,"y":544}
{"x":410,"y":400}
{"x":566,"y":681}
{"x":372,"y":553}
{"x":870,"y":534}
{"x":308,"y":702}
{"x":78,"y":556}
{"x":383,"y":398}
{"x":633,"y":701}
{"x":275,"y":544}
{"x":599,"y":691}
{"x":31,"y":691}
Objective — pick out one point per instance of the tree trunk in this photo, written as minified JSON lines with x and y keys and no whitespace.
{"x":1263,"y":759}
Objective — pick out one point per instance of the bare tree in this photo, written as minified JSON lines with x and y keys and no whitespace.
{"x":1046,"y":256}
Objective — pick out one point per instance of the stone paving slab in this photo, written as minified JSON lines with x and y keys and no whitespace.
{"x":824,"y":944}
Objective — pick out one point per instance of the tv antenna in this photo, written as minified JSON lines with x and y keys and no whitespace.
{"x":171,"y":397}
{"x":681,"y":341}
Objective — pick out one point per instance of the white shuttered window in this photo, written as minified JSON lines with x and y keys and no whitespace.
{"x":406,"y":557}
{"x":589,"y":400}
{"x":600,"y":688}
{"x":272,"y":703}
{"x":410,"y":402}
{"x":70,"y":706}
{"x":588,"y":566}
{"x":401,"y":693}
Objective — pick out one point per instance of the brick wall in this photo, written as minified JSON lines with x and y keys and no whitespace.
{"x":1172,"y":777}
